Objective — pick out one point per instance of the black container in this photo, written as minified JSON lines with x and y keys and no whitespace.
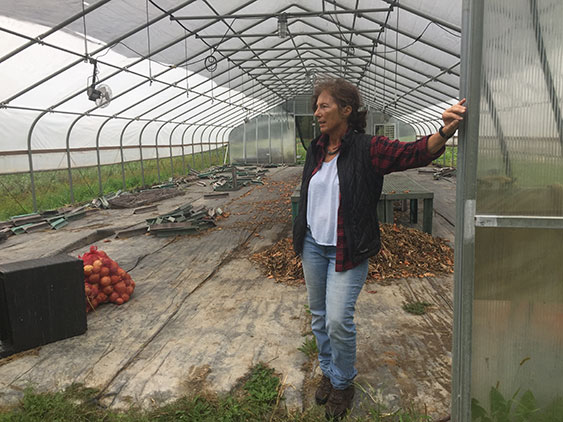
{"x":41,"y":301}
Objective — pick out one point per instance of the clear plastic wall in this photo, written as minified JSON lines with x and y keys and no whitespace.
{"x":264,"y":139}
{"x":301,"y":106}
{"x":517,"y":333}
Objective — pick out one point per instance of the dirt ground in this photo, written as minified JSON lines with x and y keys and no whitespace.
{"x":203,"y":312}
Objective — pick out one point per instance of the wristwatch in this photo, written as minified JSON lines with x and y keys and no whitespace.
{"x":443,"y":135}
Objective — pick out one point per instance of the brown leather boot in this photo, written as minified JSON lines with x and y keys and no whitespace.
{"x":339,"y":402}
{"x":323,"y":390}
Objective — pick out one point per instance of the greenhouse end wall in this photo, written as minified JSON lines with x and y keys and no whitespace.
{"x":264,"y":139}
{"x":517,"y":316}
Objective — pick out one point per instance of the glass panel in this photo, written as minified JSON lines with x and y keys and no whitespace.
{"x":276,"y":139}
{"x":517,"y":346}
{"x":263,"y":139}
{"x":518,"y":317}
{"x":520,"y":166}
{"x":288,"y":147}
{"x":236,"y":151}
{"x":251,"y":141}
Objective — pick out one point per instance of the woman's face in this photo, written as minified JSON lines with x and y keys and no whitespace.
{"x":332,"y":119}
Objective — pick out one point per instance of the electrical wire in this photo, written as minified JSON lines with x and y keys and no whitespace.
{"x":392,"y":50}
{"x":84,"y":24}
{"x":148,"y":41}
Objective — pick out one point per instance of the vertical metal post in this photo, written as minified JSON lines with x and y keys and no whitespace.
{"x":122,"y":156}
{"x":156,"y":142}
{"x":68,"y":159}
{"x":141,"y":150}
{"x":314,"y":128}
{"x":454,"y":150}
{"x":121,"y":146}
{"x":216,"y":149}
{"x":183,"y":135}
{"x":256,"y":121}
{"x":269,"y":138}
{"x":547,"y":73}
{"x":281,"y":139}
{"x":157,"y":155}
{"x":201,"y":148}
{"x":99,"y":165}
{"x":470,"y":88}
{"x":171,"y":158}
{"x":182,"y":145}
{"x":244,"y":141}
{"x":30,"y":160}
{"x":208,"y":144}
{"x":193,"y":152}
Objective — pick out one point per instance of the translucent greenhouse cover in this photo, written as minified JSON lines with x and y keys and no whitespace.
{"x":189,"y":72}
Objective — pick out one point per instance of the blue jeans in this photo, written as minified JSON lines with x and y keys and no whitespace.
{"x":332,"y":301}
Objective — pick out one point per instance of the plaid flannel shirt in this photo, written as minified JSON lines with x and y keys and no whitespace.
{"x":386,"y":156}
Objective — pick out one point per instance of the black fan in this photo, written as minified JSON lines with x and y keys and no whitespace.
{"x":100,"y":94}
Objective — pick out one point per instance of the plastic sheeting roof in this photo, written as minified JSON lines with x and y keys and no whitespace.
{"x":215,"y":63}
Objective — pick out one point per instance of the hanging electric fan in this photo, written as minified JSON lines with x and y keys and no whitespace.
{"x":103,"y":93}
{"x":100,"y":94}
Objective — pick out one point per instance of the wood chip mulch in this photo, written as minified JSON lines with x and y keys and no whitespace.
{"x":405,"y":252}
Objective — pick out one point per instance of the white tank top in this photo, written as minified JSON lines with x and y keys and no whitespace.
{"x":322,"y":203}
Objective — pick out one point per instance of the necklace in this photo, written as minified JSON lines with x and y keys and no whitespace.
{"x":333,"y":151}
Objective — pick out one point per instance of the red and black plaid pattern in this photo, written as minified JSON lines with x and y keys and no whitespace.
{"x":386,"y":157}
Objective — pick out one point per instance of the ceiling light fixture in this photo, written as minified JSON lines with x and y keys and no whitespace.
{"x":282,"y":26}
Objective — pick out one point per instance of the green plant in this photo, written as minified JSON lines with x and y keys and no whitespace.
{"x":416,"y":308}
{"x":52,"y":187}
{"x":519,"y":408}
{"x":448,"y":158}
{"x":309,"y":347}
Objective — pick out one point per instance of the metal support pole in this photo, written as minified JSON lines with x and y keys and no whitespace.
{"x":141,"y":149}
{"x":269,"y":138}
{"x":216,"y":149}
{"x":182,"y":146}
{"x":171,"y":157}
{"x":498,"y":128}
{"x":183,"y":136}
{"x":68,"y":160}
{"x":99,"y":164}
{"x":282,"y":138}
{"x":464,"y":274}
{"x":208,"y":145}
{"x":244,"y":142}
{"x":30,"y":160}
{"x":98,"y":154}
{"x":193,"y":146}
{"x":193,"y":152}
{"x":156,"y":143}
{"x":547,"y":73}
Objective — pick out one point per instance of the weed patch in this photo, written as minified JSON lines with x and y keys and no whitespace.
{"x":416,"y":308}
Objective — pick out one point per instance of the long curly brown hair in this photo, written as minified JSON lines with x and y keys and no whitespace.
{"x":345,"y":94}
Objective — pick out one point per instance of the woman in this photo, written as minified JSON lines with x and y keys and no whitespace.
{"x":337,"y":230}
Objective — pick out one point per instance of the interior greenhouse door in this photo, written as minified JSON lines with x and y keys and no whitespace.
{"x":508,"y":351}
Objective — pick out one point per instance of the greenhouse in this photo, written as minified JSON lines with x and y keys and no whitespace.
{"x":153,"y":156}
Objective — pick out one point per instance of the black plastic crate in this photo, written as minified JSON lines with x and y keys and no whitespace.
{"x":41,"y":301}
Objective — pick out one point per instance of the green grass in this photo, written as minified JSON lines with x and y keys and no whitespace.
{"x":53,"y":189}
{"x":257,"y":398}
{"x":448,"y":158}
{"x":416,"y":308}
{"x":309,"y":347}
